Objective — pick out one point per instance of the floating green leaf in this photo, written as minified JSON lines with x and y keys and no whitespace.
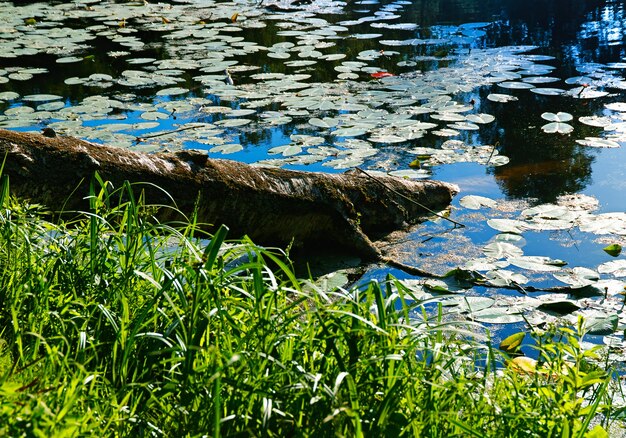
{"x":512,"y":343}
{"x":614,"y":249}
{"x":561,"y":307}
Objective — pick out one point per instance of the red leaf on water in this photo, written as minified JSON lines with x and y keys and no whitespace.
{"x":381,"y":74}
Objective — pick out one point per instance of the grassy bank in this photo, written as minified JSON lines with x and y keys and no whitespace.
{"x":115,"y":325}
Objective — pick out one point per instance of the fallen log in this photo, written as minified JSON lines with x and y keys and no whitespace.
{"x":272,"y":206}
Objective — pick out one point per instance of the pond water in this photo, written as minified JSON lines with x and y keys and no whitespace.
{"x":519,"y":103}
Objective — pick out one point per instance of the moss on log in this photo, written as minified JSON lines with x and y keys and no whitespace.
{"x":272,"y":206}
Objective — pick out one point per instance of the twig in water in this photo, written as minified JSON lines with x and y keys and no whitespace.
{"x":495,"y":145}
{"x":161,"y":134}
{"x":409,"y":199}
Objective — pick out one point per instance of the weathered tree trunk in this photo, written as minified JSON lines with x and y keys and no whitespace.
{"x":272,"y":206}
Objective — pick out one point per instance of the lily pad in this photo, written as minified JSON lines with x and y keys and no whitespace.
{"x":537,"y":263}
{"x":508,"y":225}
{"x":617,"y":268}
{"x":502,"y":250}
{"x":558,"y":117}
{"x":474,"y":202}
{"x":597,"y":142}
{"x":226,"y":148}
{"x":498,"y":315}
{"x":504,"y":278}
{"x":578,"y":277}
{"x":601,"y":325}
{"x":561,"y":307}
{"x":501,"y":98}
{"x":557,"y":128}
{"x":468,"y":304}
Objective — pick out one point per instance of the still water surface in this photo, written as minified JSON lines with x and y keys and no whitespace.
{"x":253,"y":75}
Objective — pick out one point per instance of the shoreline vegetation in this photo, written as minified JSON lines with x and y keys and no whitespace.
{"x":112,"y":324}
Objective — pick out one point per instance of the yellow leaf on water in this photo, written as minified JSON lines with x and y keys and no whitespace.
{"x":524,"y":364}
{"x":597,"y":432}
{"x":234,"y":17}
{"x":512,"y":343}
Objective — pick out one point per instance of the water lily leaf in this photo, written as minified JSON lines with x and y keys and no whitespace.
{"x":537,"y":263}
{"x":387,"y":138}
{"x":547,"y":91}
{"x":333,"y":281}
{"x":512,"y":343}
{"x":68,"y":60}
{"x":41,"y":97}
{"x":504,"y":277}
{"x":448,"y":117}
{"x":558,"y":117}
{"x":609,"y":287}
{"x":501,"y":98}
{"x":226,"y":148}
{"x":515,"y":239}
{"x":586,"y":92}
{"x":480,"y":118}
{"x":468,"y":304}
{"x":174,"y":91}
{"x":498,"y":160}
{"x":279,"y":55}
{"x":578,"y":277}
{"x":562,"y":307}
{"x":286,"y":150}
{"x":605,"y":223}
{"x":233,"y":123}
{"x":484,"y":264}
{"x":464,"y":126}
{"x":616,"y":106}
{"x":9,"y":95}
{"x":444,"y":287}
{"x":617,"y":268}
{"x":601,"y":325}
{"x":154,"y":115}
{"x":540,"y":79}
{"x":597,"y":121}
{"x":557,"y":128}
{"x":501,"y":250}
{"x":597,"y":142}
{"x":523,"y":364}
{"x":446,"y":132}
{"x":498,"y":315}
{"x":411,"y":173}
{"x":344,"y":163}
{"x":474,"y":202}
{"x":508,"y":225}
{"x":349,"y":132}
{"x":614,"y":249}
{"x":516,"y":85}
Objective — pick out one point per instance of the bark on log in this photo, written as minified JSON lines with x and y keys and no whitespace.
{"x":272,"y":206}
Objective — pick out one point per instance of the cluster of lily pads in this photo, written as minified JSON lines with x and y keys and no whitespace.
{"x":548,"y":290}
{"x":207,"y":94}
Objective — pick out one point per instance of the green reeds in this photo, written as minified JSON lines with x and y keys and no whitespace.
{"x":115,"y":324}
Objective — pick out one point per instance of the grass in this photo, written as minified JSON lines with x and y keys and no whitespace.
{"x":113,"y":324}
